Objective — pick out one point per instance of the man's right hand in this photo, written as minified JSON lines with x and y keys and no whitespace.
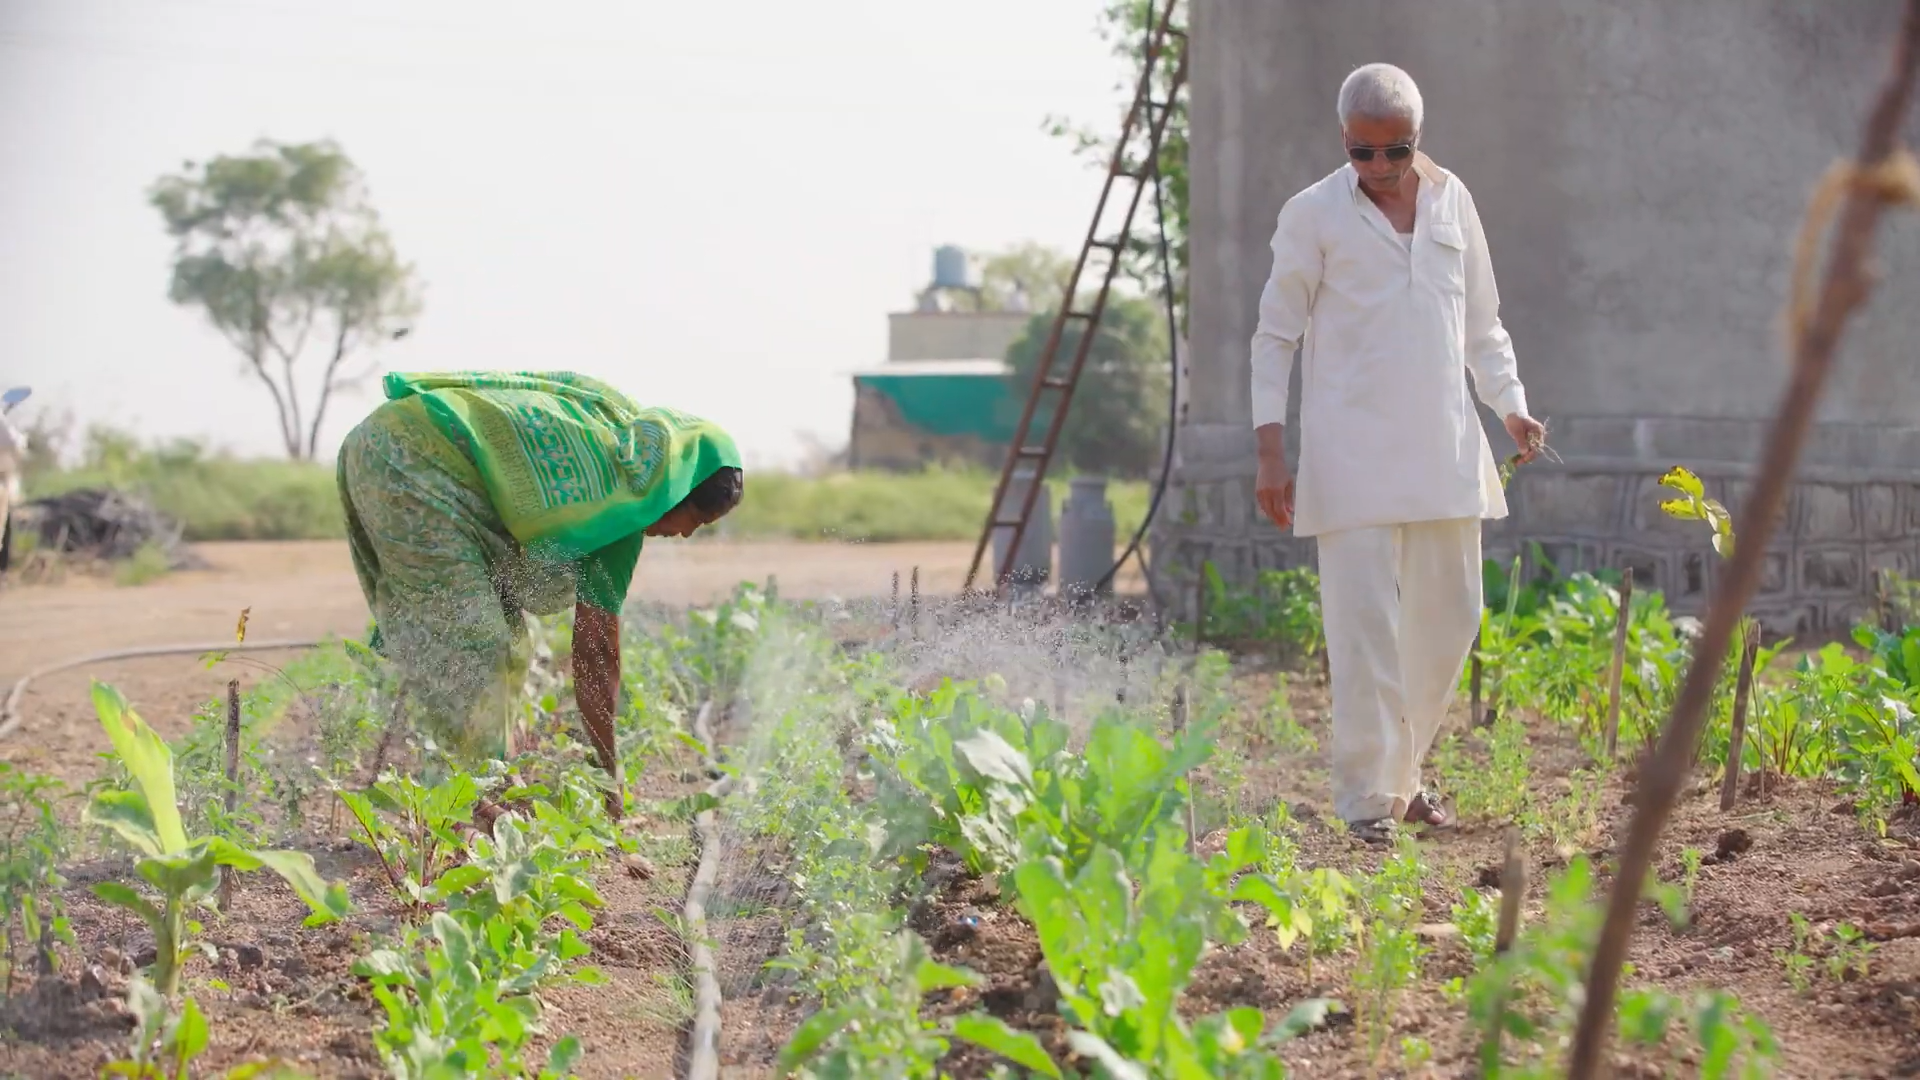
{"x":1273,"y":489}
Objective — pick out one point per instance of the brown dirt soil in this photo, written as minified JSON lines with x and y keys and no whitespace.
{"x":277,"y":989}
{"x":1787,"y":852}
{"x":307,"y":589}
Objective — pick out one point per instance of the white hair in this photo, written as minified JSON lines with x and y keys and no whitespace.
{"x":1380,"y":92}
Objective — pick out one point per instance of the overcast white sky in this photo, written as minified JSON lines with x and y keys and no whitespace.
{"x":713,"y":205}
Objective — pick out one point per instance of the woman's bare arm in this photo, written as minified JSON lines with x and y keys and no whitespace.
{"x":596,"y":689}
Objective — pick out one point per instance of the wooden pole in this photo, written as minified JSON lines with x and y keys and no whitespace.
{"x":1513,"y":894}
{"x":1199,"y":615}
{"x":1180,"y":725}
{"x":233,"y":781}
{"x":1736,"y":740}
{"x":1619,"y":668}
{"x":893,"y":601}
{"x":913,"y":605}
{"x":1473,"y":682}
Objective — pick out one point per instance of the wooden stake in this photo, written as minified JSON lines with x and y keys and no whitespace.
{"x":1180,"y":725}
{"x":1736,"y":741}
{"x":233,"y":780}
{"x":1513,"y":894}
{"x":1619,"y":667}
{"x":1473,"y":681}
{"x":1199,"y":615}
{"x":893,"y":602}
{"x":913,"y":605}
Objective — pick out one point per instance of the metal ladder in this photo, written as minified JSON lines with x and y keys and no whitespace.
{"x":1045,"y":379}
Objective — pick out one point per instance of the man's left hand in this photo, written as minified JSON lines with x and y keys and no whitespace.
{"x":1528,"y":434}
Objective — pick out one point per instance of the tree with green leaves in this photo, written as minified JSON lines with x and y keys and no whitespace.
{"x":1030,"y":270}
{"x":281,"y":250}
{"x":1126,"y":25}
{"x":1117,"y":420}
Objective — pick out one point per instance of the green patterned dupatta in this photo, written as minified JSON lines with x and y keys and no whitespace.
{"x":570,"y":463}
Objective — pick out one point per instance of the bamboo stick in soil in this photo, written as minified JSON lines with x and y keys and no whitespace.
{"x":1736,"y":739}
{"x":1619,"y":669}
{"x":233,"y":780}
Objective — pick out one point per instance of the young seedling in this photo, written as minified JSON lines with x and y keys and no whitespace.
{"x":184,"y":871}
{"x":1536,"y":445}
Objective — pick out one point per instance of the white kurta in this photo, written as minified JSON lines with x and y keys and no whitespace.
{"x":1388,"y":432}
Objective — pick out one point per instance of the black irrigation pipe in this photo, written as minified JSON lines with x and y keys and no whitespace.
{"x":703,"y":1041}
{"x":10,"y":711}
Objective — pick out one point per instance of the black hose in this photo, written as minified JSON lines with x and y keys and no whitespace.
{"x":1173,"y":393}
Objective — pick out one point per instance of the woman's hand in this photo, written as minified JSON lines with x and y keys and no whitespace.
{"x":596,"y":689}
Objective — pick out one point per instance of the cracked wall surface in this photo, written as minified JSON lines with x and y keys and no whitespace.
{"x":1640,"y":168}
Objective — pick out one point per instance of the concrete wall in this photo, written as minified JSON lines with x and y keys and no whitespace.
{"x":953,"y":335}
{"x":1640,"y":166}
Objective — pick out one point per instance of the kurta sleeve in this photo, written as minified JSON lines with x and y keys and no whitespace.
{"x":1285,"y":306}
{"x":606,"y":574}
{"x":1496,"y":375}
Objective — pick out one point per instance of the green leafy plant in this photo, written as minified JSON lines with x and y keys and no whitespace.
{"x":456,"y":1005}
{"x":1121,"y":960}
{"x":183,"y":871}
{"x":414,"y":829}
{"x":878,"y":1030}
{"x":32,"y":846}
{"x":1693,"y":504}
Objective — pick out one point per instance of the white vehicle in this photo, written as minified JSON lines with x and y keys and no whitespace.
{"x":13,"y":453}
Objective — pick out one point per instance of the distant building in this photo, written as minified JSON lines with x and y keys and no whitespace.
{"x":942,"y":396}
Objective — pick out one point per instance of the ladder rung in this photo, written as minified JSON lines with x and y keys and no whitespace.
{"x":1110,"y":245}
{"x":1056,"y":384}
{"x":999,"y":523}
{"x":1031,"y":451}
{"x":1155,"y":103}
{"x":1087,"y":315}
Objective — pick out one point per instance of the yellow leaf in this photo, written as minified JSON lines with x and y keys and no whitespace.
{"x":240,"y":631}
{"x":1680,"y":479}
{"x":1685,"y":509}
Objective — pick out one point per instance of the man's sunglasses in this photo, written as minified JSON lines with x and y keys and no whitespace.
{"x":1396,"y":152}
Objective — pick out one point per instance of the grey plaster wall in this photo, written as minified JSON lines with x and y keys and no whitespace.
{"x":1640,"y":166}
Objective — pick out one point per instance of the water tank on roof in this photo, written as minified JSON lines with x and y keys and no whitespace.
{"x":950,"y":268}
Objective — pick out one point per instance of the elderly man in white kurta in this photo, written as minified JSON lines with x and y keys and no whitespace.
{"x":1381,"y":277}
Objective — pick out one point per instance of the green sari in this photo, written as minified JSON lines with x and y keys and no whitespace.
{"x":475,"y":498}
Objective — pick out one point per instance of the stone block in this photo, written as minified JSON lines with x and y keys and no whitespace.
{"x":1650,"y":568}
{"x":1895,"y":557}
{"x":1775,"y":578}
{"x":1572,"y":503}
{"x":1844,"y":614}
{"x":1566,"y":556}
{"x":1880,"y":511}
{"x":1910,"y":509}
{"x":1831,"y":571}
{"x":1694,"y":578}
{"x":1236,"y":506}
{"x":1734,"y":498}
{"x":1826,"y":512}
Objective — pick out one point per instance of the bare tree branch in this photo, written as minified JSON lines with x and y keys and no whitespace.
{"x":328,"y":385}
{"x":1878,"y":178}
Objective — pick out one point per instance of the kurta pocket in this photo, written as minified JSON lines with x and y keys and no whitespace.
{"x":1446,"y":257}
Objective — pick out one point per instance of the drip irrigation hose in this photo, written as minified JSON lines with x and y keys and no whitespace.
{"x":703,"y":1040}
{"x":1173,"y":399}
{"x":10,"y":711}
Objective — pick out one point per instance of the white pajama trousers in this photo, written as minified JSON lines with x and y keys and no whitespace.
{"x":1401,"y":605}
